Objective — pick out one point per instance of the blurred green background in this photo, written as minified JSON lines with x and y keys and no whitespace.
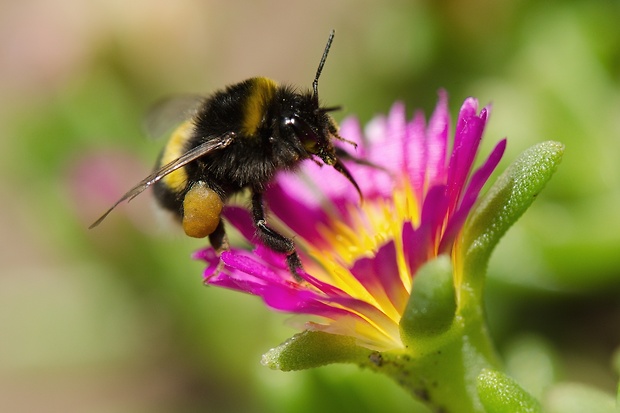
{"x":116,"y":319}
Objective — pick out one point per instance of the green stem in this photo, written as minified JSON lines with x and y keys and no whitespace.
{"x":441,"y":371}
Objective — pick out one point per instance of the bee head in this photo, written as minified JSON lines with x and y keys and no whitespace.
{"x":316,"y":127}
{"x":313,"y":131}
{"x":311,"y":125}
{"x":320,"y":144}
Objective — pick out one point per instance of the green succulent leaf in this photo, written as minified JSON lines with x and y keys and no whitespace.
{"x":432,"y":305}
{"x":314,"y":349}
{"x":510,"y":196}
{"x":501,"y":394}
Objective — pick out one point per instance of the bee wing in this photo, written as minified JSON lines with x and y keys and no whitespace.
{"x":206,"y":148}
{"x":169,"y":112}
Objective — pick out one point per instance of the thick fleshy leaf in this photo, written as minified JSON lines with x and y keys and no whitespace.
{"x":432,"y":303}
{"x":501,"y":394}
{"x":505,"y":202}
{"x":314,"y":349}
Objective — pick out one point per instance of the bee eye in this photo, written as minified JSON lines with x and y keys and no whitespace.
{"x":292,"y":123}
{"x":303,"y":131}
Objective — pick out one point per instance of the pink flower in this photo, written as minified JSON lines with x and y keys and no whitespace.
{"x":360,"y":258}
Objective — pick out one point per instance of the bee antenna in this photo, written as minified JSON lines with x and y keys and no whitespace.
{"x":315,"y":83}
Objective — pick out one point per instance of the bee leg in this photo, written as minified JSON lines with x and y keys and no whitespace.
{"x":219,"y":242}
{"x":274,"y":239}
{"x":219,"y":239}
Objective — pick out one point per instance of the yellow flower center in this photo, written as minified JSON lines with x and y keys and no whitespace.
{"x":370,"y":225}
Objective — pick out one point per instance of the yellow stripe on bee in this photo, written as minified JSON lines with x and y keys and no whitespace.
{"x":177,"y":180}
{"x":262,"y":92}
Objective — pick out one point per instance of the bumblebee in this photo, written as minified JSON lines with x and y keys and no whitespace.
{"x":238,"y":139}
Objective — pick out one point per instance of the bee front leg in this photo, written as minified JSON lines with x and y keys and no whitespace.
{"x":274,"y":239}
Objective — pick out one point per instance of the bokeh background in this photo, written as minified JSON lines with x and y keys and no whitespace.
{"x":116,"y":319}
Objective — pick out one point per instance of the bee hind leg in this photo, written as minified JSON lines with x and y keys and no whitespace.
{"x":273,"y":239}
{"x":219,"y":242}
{"x":219,"y":239}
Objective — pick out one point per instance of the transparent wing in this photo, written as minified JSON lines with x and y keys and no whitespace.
{"x":206,"y":148}
{"x":169,"y":112}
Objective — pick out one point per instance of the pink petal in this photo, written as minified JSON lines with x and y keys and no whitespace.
{"x":351,"y":130}
{"x":421,"y":242}
{"x":303,"y":218}
{"x":471,"y":195}
{"x":437,"y":140}
{"x":380,"y":276}
{"x":469,"y":109}
{"x":417,"y":154}
{"x":467,"y":141}
{"x":241,"y":219}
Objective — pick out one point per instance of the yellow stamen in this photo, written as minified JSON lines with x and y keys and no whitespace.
{"x":370,"y":226}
